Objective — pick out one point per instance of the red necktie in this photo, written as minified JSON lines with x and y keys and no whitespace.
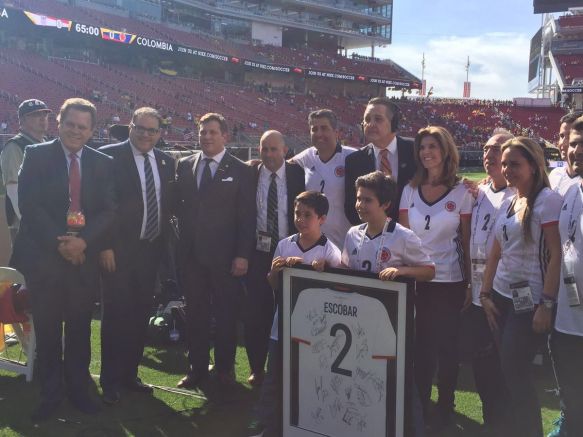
{"x":74,"y":184}
{"x":385,"y":163}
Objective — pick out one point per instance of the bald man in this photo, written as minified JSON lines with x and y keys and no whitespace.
{"x":278,"y":183}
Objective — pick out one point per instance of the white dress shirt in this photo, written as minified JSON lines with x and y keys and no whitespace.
{"x":79,"y":153}
{"x":140,"y":160}
{"x":393,"y":157}
{"x":263,"y":192}
{"x":213,"y":164}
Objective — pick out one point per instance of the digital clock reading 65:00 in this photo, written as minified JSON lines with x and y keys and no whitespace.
{"x":87,"y":30}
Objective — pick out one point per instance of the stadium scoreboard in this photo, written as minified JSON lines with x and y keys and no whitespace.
{"x":13,"y":19}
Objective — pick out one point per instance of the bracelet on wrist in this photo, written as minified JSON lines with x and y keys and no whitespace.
{"x":545,"y":297}
{"x":484,"y":295}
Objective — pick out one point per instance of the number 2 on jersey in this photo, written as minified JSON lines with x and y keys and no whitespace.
{"x":486,"y":221}
{"x":336,"y":364}
{"x":427,"y":221}
{"x":322,"y":185}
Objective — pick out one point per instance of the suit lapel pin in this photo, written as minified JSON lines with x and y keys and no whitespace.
{"x":163,"y":162}
{"x":403,"y":165}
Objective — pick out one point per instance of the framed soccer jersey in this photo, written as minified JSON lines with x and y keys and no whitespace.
{"x":343,"y":354}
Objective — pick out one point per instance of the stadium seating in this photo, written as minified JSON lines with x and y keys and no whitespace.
{"x":571,"y":66}
{"x":116,"y":89}
{"x":298,"y":57}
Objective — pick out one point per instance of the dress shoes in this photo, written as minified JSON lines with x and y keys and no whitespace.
{"x":226,"y":379}
{"x":84,"y":404}
{"x":191,"y":381}
{"x":256,"y":379}
{"x":110,"y":396}
{"x":44,"y":411}
{"x":136,"y":385}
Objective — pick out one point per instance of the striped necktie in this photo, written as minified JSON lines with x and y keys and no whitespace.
{"x":151,"y":230}
{"x":385,"y":163}
{"x":272,"y":215}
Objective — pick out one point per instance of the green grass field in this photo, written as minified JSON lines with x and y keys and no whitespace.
{"x":172,"y":414}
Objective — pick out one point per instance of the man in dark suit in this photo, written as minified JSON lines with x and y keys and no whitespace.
{"x":67,"y":202}
{"x":393,"y":155}
{"x":385,"y":151}
{"x":216,"y":218}
{"x":143,"y":179}
{"x":275,"y":221}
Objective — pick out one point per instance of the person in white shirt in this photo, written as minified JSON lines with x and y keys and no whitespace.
{"x":521,"y":278}
{"x":323,"y":164}
{"x":562,"y":178}
{"x":437,"y":207}
{"x":381,"y":245}
{"x":566,"y":342}
{"x":309,"y":246}
{"x":480,"y":342}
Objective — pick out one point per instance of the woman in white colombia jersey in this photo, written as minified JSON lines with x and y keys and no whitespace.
{"x":521,"y":278}
{"x":567,"y":337}
{"x":437,"y":207}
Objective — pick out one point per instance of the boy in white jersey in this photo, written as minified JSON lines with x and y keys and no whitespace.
{"x":564,"y":177}
{"x":323,"y":164}
{"x":381,"y":245}
{"x":308,"y":246}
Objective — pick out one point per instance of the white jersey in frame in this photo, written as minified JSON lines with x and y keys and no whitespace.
{"x":345,"y":341}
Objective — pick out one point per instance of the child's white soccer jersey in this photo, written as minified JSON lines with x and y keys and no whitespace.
{"x":323,"y":249}
{"x":570,"y":319}
{"x":523,"y":260}
{"x":561,"y":181}
{"x":328,"y":178}
{"x":437,"y":224}
{"x":395,"y":246}
{"x":484,"y":214}
{"x":345,"y":341}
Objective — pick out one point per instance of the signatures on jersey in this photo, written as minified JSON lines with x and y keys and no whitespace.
{"x":346,"y":390}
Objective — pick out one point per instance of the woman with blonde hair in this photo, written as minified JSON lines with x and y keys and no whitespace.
{"x":437,"y":207}
{"x":521,"y":278}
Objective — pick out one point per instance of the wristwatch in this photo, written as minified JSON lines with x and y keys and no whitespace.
{"x":547,"y":303}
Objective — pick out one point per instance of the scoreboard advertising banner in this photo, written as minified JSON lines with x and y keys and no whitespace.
{"x":73,"y":28}
{"x":343,"y":340}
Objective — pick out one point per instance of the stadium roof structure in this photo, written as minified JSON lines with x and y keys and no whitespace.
{"x":353,"y":23}
{"x":546,"y":6}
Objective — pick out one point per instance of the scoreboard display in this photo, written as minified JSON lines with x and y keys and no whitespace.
{"x":15,"y":19}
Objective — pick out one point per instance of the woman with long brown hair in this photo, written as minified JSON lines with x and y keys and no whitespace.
{"x":521,"y":278}
{"x":437,"y":207}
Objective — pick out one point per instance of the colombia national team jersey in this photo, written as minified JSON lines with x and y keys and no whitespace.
{"x":437,"y":224}
{"x":345,"y":341}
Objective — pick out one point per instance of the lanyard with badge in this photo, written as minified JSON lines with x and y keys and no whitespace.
{"x":521,"y":291}
{"x":479,"y":258}
{"x":570,"y":260}
{"x":379,"y":253}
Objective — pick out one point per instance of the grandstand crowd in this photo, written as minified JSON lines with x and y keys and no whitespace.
{"x":494,"y":262}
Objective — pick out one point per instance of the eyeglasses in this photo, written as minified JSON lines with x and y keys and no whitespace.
{"x":493,"y":148}
{"x":145,"y":130}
